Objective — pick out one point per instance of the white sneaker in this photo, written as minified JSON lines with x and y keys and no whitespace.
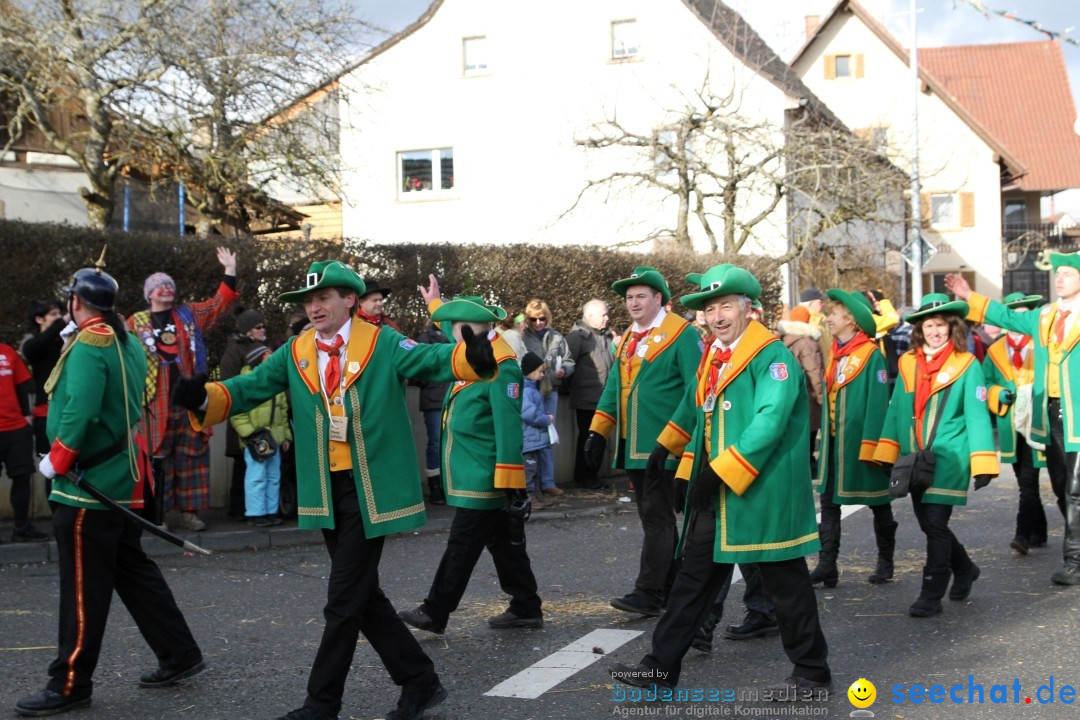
{"x":191,"y":521}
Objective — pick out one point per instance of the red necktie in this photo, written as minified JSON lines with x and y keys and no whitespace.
{"x":719,"y":359}
{"x":333,"y":368}
{"x":1059,"y":326}
{"x":635,"y":338}
{"x":1017,"y":347}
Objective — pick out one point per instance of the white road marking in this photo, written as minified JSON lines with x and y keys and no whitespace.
{"x":541,"y":676}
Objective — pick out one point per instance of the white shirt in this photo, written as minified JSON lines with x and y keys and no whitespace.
{"x":720,"y":346}
{"x":654,"y":324}
{"x":324,"y":357}
{"x":1074,"y":309}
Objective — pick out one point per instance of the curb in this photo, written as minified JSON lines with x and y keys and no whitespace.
{"x":46,"y":552}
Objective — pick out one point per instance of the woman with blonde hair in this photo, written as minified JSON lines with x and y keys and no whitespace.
{"x":547,"y":343}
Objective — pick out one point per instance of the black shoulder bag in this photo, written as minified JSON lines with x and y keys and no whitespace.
{"x":261,"y":443}
{"x":915,"y":472}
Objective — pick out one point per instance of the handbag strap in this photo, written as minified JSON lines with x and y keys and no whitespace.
{"x":937,"y":418}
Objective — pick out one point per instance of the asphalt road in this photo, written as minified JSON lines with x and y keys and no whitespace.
{"x":258,"y":618}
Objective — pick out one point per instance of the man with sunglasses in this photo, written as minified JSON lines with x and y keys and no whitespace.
{"x":250,"y":333}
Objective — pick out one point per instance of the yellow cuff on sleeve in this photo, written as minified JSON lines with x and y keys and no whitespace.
{"x":674,"y":438}
{"x":886,"y":451}
{"x":977,"y":305}
{"x":219,"y":402}
{"x":734,"y":470}
{"x":462,"y":369}
{"x":984,"y":463}
{"x":602,"y":423}
{"x":509,"y":477}
{"x":993,"y":401}
{"x":686,"y":467}
{"x":866,"y":451}
{"x":434,"y":305}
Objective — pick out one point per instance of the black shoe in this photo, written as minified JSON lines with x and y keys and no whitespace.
{"x":634,"y":603}
{"x":596,"y":485}
{"x":1020,"y":545}
{"x":306,"y":713}
{"x":1068,"y":575}
{"x":755,"y":625}
{"x":274,"y":520}
{"x":795,"y":689}
{"x":412,"y":703}
{"x":510,"y":620}
{"x":48,"y":702}
{"x":420,"y":620}
{"x":28,"y":533}
{"x":1036,"y":542}
{"x":961,"y":584}
{"x":164,"y":678}
{"x":704,"y":636}
{"x":640,"y":676}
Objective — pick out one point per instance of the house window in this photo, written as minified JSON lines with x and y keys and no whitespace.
{"x":1015,"y":212}
{"x":943,"y":209}
{"x":426,"y":170}
{"x":475,"y":55}
{"x":843,"y":66}
{"x":624,"y":39}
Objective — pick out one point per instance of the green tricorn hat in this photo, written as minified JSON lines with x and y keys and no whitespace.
{"x":858,"y":306}
{"x":1020,"y":300}
{"x":468,"y":308}
{"x":327,"y":274}
{"x":1065,"y":260}
{"x":938,"y":304}
{"x":720,"y":280}
{"x":644,"y":275}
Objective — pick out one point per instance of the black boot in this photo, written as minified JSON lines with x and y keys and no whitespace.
{"x":703,"y":637}
{"x":934,"y":584}
{"x":885,"y":533}
{"x":962,"y":582}
{"x":435,"y":491}
{"x":826,"y":571}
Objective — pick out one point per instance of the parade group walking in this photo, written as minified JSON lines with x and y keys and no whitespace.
{"x":717,"y":419}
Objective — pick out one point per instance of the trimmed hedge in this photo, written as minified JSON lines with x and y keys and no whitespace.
{"x":41,"y":259}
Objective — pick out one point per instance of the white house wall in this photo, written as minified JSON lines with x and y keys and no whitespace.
{"x":513,"y":130}
{"x":42,"y":195}
{"x":952,"y":157}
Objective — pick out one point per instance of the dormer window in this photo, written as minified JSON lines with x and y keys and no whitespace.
{"x":624,"y":39}
{"x":475,"y":59}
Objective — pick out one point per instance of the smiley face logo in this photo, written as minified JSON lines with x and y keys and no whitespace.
{"x":862,"y":693}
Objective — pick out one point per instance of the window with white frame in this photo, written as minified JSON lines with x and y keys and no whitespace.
{"x":624,"y":39}
{"x":943,"y":209}
{"x":424,"y":171}
{"x":474,"y":51}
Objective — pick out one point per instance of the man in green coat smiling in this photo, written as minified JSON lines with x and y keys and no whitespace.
{"x":750,"y":497}
{"x":484,"y":478}
{"x":346,"y":378}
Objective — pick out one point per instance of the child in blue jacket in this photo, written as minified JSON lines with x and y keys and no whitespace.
{"x":534,"y":422}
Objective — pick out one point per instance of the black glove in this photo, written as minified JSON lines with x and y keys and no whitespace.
{"x":518,"y":508}
{"x":887,"y":469}
{"x":189,"y":392}
{"x":703,"y":489}
{"x":478,"y":352}
{"x":982,"y":481}
{"x":1006,"y":397}
{"x":594,"y":450}
{"x":654,"y":468}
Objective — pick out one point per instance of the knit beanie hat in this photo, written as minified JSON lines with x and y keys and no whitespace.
{"x":529,"y":363}
{"x":255,"y":355}
{"x":247,"y":320}
{"x":155,"y":281}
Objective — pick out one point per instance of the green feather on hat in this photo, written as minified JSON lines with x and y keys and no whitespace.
{"x":327,"y":274}
{"x":859,"y":307}
{"x":644,"y":275}
{"x":718,"y":281}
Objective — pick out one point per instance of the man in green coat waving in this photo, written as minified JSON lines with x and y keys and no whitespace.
{"x":346,"y":378}
{"x":484,"y":478}
{"x":750,"y":498}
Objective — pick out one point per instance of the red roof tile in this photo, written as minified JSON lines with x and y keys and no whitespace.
{"x":1020,"y":93}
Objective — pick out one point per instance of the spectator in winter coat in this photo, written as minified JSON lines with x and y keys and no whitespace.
{"x":431,"y":402}
{"x":250,"y":333}
{"x":592,"y":350}
{"x":548,"y":344}
{"x":534,"y":423}
{"x":801,"y":338}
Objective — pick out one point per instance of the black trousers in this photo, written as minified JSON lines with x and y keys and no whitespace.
{"x":582,"y":474}
{"x":472,"y":531}
{"x":236,"y":486}
{"x":754,"y":596}
{"x":656,"y":510}
{"x":356,"y":604}
{"x":943,"y":551}
{"x":100,"y":551}
{"x":787,"y":583}
{"x":1030,"y":514}
{"x":830,"y":509}
{"x":1064,"y":468}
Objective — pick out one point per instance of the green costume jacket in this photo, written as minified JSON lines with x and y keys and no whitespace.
{"x":858,"y":398}
{"x":1039,"y":324}
{"x":759,"y":447}
{"x":384,"y":467}
{"x":482,"y":436}
{"x":1001,"y":376}
{"x":964,"y":443}
{"x":95,"y":398}
{"x":672,"y":354}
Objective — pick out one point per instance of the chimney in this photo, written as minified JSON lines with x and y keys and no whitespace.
{"x":813,"y":22}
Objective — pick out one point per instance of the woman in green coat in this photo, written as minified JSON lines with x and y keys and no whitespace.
{"x":940,"y":405}
{"x":856,"y":397}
